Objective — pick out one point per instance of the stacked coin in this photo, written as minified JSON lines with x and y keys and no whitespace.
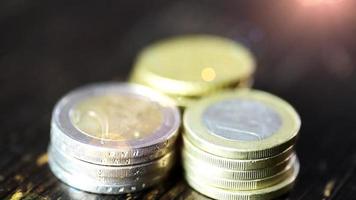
{"x":239,"y":145}
{"x":113,"y":138}
{"x":189,"y":67}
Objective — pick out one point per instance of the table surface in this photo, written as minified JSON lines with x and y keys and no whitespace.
{"x":49,"y":48}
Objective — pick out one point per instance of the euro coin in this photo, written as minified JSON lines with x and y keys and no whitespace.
{"x":115,"y":124}
{"x":113,"y":138}
{"x":192,"y":66}
{"x":242,"y":124}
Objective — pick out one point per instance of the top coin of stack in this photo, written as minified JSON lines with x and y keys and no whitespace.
{"x":113,"y":138}
{"x":239,"y":145}
{"x":189,"y":67}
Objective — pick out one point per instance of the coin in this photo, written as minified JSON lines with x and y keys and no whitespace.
{"x":115,"y":124}
{"x":112,"y":174}
{"x":225,"y":173}
{"x":89,"y":184}
{"x":236,"y":184}
{"x":259,"y":194}
{"x":242,"y":124}
{"x":234,"y":164}
{"x":194,"y":65}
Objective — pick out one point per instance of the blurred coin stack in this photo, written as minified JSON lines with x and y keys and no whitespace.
{"x":239,"y":145}
{"x":189,"y":67}
{"x":113,"y":138}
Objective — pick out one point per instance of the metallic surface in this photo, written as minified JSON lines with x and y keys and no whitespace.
{"x":113,"y":174}
{"x":240,"y":119}
{"x":203,"y":176}
{"x":260,"y":194}
{"x":224,"y":173}
{"x":194,"y":65}
{"x":117,"y":117}
{"x":105,"y":151}
{"x":200,"y":135}
{"x":235,"y":164}
{"x":89,"y":184}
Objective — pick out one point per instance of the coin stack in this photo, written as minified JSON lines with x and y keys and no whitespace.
{"x":113,"y":138}
{"x":189,"y":67}
{"x":239,"y":145}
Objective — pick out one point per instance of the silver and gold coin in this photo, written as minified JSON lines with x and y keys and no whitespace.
{"x":240,"y":145}
{"x":115,"y":124}
{"x":113,"y":138}
{"x":243,"y":124}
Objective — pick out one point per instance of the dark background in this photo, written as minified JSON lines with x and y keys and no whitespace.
{"x":305,"y":51}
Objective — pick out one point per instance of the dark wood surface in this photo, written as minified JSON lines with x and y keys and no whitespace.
{"x":306,"y":55}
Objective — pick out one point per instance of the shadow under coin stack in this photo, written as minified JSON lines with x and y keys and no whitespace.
{"x":239,"y":145}
{"x":113,"y":138}
{"x":189,"y":67}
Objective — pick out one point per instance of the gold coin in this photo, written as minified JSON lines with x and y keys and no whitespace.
{"x":194,"y":65}
{"x":259,"y":194}
{"x":117,"y":117}
{"x":242,"y":124}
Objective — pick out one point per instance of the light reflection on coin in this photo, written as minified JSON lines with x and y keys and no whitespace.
{"x":238,"y":119}
{"x":117,"y":117}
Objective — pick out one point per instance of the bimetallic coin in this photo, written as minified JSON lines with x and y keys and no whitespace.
{"x":259,"y":194}
{"x":234,"y":184}
{"x":234,"y":164}
{"x":224,"y":173}
{"x":242,"y":124}
{"x":194,"y":65}
{"x":115,"y":124}
{"x":112,"y":174}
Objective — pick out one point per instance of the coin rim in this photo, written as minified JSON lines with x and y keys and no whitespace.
{"x":237,"y":174}
{"x":235,"y":164}
{"x":236,"y":184}
{"x":261,"y":194}
{"x":76,"y":166}
{"x":91,"y":185}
